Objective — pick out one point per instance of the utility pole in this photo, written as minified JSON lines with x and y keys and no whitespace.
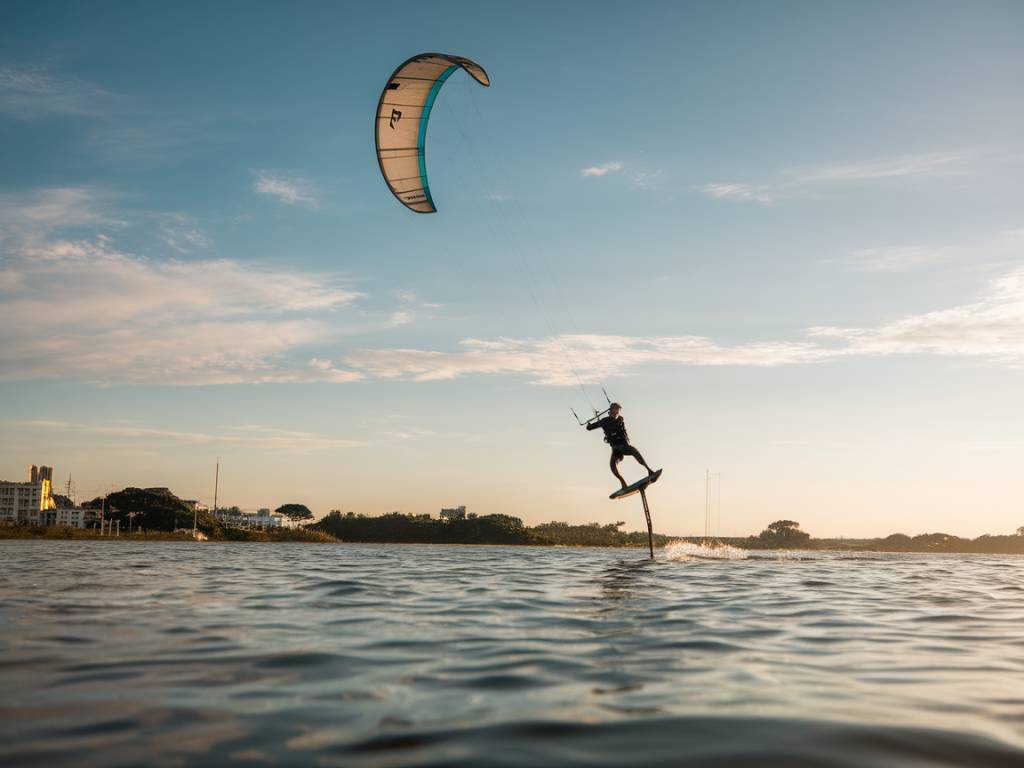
{"x":707,"y":500}
{"x":707,"y":484}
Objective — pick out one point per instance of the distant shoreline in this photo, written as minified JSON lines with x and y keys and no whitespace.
{"x":156,"y":514}
{"x":934,"y":544}
{"x":33,"y":533}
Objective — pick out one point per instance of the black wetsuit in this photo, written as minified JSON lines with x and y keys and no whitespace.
{"x":616,"y":436}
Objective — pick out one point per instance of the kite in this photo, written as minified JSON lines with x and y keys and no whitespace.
{"x":402,"y":115}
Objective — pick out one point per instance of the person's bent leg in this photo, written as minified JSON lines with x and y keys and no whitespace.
{"x":636,"y":455}
{"x":614,"y":464}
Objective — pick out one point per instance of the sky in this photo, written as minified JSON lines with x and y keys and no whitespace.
{"x":788,"y":237}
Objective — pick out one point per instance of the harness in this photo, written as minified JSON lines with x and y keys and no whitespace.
{"x":615,"y":433}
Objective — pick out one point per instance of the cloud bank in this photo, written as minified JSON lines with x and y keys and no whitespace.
{"x":80,"y":308}
{"x":83,"y":309}
{"x":990,"y":329}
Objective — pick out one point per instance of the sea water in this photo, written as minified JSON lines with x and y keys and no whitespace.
{"x":131,"y":653}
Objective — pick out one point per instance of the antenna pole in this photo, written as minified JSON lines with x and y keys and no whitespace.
{"x":216,"y":486}
{"x":707,"y":484}
{"x":718,"y":503}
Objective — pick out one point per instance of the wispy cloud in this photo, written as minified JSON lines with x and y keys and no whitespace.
{"x":28,"y":93}
{"x":136,"y":129}
{"x":325,"y":370}
{"x":999,"y":250}
{"x":896,"y":259}
{"x":639,"y":178}
{"x":741,"y":192}
{"x":255,"y":436}
{"x":291,"y":191}
{"x":613,"y":166}
{"x":183,"y":235}
{"x":145,"y":135}
{"x":800,"y":181}
{"x":401,"y":317}
{"x":934,"y":164}
{"x":411,"y":433}
{"x":410,"y":307}
{"x":648,"y":179}
{"x":990,"y":329}
{"x":42,"y":211}
{"x":185,"y":240}
{"x":594,"y":357}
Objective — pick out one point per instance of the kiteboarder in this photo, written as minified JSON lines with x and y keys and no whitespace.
{"x":616,"y":436}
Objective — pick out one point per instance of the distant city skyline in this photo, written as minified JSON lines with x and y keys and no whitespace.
{"x":787,"y":237}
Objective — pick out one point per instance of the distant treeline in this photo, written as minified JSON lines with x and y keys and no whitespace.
{"x":485,"y":529}
{"x":158,"y":511}
{"x":929,"y":542}
{"x":504,"y":529}
{"x":897,"y":542}
{"x":594,"y":535}
{"x":421,"y":529}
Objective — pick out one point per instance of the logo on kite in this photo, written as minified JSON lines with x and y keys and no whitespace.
{"x":400,"y":151}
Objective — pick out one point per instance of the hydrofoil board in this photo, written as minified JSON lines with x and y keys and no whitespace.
{"x":636,"y":487}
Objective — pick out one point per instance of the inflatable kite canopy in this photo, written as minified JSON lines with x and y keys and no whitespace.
{"x":402,"y":115}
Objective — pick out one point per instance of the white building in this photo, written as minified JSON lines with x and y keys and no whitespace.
{"x":71,"y":517}
{"x":454,"y":513}
{"x":24,"y":503}
{"x":236,"y":518}
{"x":266,"y":520}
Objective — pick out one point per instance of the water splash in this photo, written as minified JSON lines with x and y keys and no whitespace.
{"x":685,"y":550}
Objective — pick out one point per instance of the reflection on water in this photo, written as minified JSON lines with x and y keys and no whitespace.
{"x":116,"y":653}
{"x":620,"y":580}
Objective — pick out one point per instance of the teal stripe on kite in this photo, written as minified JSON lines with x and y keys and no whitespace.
{"x":422,"y":138}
